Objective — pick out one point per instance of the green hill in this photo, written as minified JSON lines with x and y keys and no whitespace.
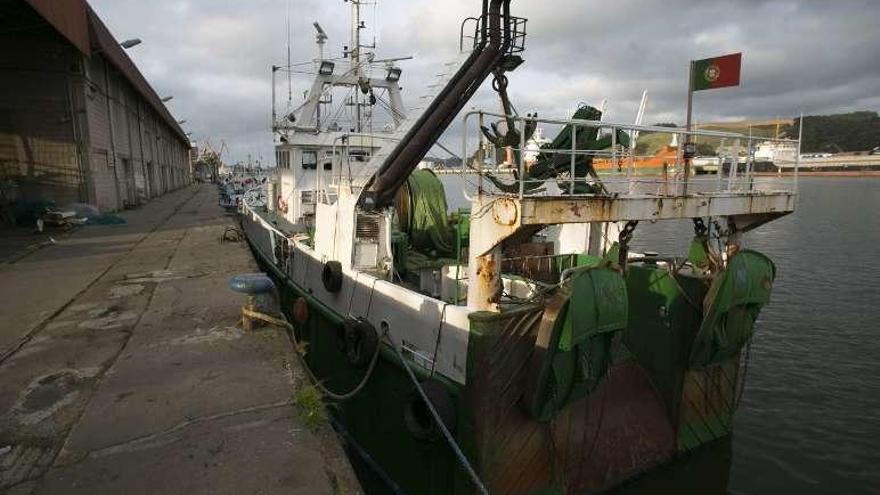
{"x":650,"y":142}
{"x":856,"y":131}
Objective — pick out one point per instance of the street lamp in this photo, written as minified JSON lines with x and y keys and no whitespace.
{"x":181,"y":122}
{"x":167,"y":99}
{"x":130,"y":43}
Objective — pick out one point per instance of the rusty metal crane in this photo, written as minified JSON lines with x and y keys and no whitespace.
{"x":499,"y":37}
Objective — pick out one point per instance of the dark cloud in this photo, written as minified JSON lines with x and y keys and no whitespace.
{"x":812,"y":56}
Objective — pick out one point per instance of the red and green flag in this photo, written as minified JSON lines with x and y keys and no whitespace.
{"x":718,"y":72}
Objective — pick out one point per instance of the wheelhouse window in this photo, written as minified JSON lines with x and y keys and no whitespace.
{"x":282,"y":159}
{"x":358,"y":155}
{"x":309,"y":160}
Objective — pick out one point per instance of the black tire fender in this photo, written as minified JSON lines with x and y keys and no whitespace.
{"x":331,"y":276}
{"x":360,"y":341}
{"x":418,"y":418}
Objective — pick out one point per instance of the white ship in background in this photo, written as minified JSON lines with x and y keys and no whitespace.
{"x":776,"y":152}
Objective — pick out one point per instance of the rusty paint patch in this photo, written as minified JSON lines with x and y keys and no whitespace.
{"x":487,"y":277}
{"x":504,"y":211}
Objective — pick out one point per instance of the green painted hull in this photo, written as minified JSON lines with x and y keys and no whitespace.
{"x":374,"y":418}
{"x":646,"y":410}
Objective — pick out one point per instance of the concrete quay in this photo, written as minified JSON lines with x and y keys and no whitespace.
{"x":123,"y":367}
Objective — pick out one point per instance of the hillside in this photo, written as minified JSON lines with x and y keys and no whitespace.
{"x":856,"y":131}
{"x":650,"y":142}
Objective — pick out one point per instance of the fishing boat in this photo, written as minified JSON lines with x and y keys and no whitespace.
{"x":240,"y":184}
{"x":518,"y":346}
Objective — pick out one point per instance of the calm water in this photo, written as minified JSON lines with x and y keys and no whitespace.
{"x":809,"y":421}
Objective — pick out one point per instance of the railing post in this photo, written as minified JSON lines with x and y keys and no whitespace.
{"x":613,"y":148}
{"x":679,"y":155}
{"x":630,"y":168}
{"x":478,"y":153}
{"x":797,"y":159}
{"x":750,"y":162}
{"x":734,"y":166}
{"x":573,"y":158}
{"x":522,"y":162}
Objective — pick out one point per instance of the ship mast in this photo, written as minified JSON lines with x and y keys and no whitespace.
{"x":355,"y":55}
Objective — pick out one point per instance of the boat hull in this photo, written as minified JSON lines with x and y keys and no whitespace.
{"x":627,"y":425}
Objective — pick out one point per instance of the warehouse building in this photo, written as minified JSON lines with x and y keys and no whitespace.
{"x":78,"y":121}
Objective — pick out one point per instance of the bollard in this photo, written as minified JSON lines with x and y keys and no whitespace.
{"x":252,"y":285}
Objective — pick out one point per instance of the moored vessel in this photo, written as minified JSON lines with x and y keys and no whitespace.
{"x":519,"y":346}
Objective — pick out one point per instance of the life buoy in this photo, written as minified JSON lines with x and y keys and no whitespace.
{"x":282,"y":205}
{"x":331,"y":276}
{"x":358,"y":340}
{"x":418,"y":418}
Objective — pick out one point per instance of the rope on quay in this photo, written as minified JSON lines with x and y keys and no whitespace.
{"x":296,"y":349}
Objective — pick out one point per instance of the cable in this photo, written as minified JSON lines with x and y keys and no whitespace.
{"x":448,"y":436}
{"x":439,"y":335}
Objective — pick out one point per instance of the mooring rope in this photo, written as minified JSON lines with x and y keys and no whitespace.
{"x":436,"y":416}
{"x":448,"y":436}
{"x":296,"y":349}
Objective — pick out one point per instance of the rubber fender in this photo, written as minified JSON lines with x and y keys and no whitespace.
{"x":331,"y":276}
{"x":251,"y":283}
{"x":418,"y":418}
{"x":300,"y":311}
{"x":360,"y":341}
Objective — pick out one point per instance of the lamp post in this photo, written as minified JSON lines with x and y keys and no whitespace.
{"x":167,"y":99}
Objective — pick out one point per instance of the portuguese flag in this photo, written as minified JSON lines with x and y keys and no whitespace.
{"x":718,"y":72}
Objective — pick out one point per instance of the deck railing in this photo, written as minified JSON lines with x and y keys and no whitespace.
{"x":621,"y":166}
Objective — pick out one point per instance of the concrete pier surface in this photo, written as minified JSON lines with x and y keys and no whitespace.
{"x":123,"y":367}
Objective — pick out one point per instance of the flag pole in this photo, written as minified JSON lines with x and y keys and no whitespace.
{"x":687,"y":139}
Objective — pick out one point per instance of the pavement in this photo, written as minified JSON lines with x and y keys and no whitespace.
{"x":123,"y":367}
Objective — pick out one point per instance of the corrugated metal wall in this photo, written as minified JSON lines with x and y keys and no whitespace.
{"x":73,"y":128}
{"x":37,"y":145}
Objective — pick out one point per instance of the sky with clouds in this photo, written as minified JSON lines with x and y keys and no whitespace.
{"x":214,"y":56}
